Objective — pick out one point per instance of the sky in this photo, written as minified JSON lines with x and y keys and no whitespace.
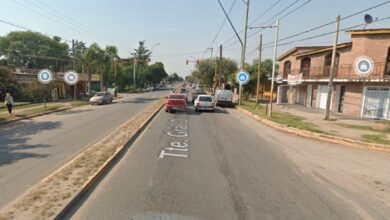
{"x":180,"y":30}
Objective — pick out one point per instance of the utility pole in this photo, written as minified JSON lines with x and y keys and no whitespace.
{"x":74,"y":69}
{"x":135,"y":85}
{"x":220,"y":66}
{"x":258,"y":69}
{"x":273,"y":68}
{"x":243,"y":51}
{"x":332,"y":69}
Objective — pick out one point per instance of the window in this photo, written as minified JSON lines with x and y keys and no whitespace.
{"x":387,"y":69}
{"x":286,"y":69}
{"x":305,"y":66}
{"x":328,"y":63}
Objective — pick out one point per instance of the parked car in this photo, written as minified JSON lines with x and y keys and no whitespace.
{"x":224,"y":98}
{"x":101,"y":98}
{"x":204,"y":102}
{"x":176,"y":102}
{"x":150,"y":88}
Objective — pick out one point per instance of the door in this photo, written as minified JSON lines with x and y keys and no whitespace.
{"x":309,"y":93}
{"x":340,"y":99}
{"x":323,"y":95}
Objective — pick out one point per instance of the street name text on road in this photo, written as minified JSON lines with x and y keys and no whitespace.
{"x":177,"y":148}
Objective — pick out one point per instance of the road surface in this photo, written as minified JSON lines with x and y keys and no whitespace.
{"x":225,"y":165}
{"x":32,"y":149}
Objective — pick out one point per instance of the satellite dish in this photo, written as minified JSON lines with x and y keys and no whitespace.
{"x":368,"y":18}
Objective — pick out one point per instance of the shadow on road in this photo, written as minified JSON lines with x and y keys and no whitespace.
{"x":140,"y":100}
{"x":14,"y":138}
{"x":73,"y":111}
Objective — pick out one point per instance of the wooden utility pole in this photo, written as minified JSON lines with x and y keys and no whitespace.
{"x":220,"y":67}
{"x":258,"y":68}
{"x":332,"y":70}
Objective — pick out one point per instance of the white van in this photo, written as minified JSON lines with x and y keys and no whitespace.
{"x":224,"y":98}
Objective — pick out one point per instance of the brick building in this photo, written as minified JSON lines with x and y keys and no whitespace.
{"x":306,"y":70}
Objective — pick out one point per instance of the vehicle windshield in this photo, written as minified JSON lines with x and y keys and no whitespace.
{"x":194,"y":109}
{"x":176,"y":97}
{"x":205,"y":99}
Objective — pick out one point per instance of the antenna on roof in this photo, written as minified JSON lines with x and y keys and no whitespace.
{"x":368,"y":19}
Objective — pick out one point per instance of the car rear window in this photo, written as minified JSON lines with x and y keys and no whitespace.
{"x":176,"y":97}
{"x":205,"y":99}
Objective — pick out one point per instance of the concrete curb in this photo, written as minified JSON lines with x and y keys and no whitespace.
{"x":104,"y":169}
{"x":316,"y":136}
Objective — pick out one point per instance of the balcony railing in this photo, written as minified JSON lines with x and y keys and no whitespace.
{"x":342,"y":72}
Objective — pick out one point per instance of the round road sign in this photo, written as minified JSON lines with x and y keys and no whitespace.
{"x":242,"y":77}
{"x":71,"y":77}
{"x":363,"y":66}
{"x":45,"y":76}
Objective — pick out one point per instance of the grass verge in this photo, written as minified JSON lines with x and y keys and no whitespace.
{"x":282,"y":118}
{"x":376,"y":138}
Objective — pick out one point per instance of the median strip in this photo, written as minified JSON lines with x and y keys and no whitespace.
{"x":54,"y":195}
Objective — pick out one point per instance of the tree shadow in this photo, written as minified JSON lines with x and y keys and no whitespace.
{"x":73,"y":111}
{"x":14,"y":140}
{"x":140,"y":100}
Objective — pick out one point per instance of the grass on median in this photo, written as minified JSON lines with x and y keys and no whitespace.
{"x":282,"y":118}
{"x":78,"y":103}
{"x":376,"y":138}
{"x":359,"y":127}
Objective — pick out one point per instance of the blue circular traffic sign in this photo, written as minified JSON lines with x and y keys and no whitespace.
{"x":242,"y":77}
{"x":45,"y":76}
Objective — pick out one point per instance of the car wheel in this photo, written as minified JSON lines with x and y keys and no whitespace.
{"x":213,"y":110}
{"x":166,"y":110}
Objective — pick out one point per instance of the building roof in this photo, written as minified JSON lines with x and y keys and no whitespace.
{"x":323,"y":50}
{"x":369,"y":31}
{"x":296,"y":49}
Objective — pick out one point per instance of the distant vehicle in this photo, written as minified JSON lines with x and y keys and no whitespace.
{"x":199,"y":88}
{"x":224,"y":98}
{"x":204,"y":102}
{"x":183,"y":90}
{"x":196,"y":93}
{"x":101,"y":98}
{"x":176,"y":102}
{"x":150,"y":88}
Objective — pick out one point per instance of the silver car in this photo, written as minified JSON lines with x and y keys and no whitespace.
{"x":101,"y":98}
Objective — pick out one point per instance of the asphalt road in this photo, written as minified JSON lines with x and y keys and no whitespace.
{"x":32,"y":149}
{"x":224,"y":165}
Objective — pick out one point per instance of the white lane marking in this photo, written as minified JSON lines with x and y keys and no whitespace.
{"x":163,"y":154}
{"x":176,"y":149}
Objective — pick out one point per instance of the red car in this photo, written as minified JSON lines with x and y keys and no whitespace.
{"x":175,"y":102}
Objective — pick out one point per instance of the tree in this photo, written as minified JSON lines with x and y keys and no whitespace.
{"x":153,"y":74}
{"x":34,"y":50}
{"x":111,"y":54}
{"x":142,"y":54}
{"x":174,"y":78}
{"x":6,"y":80}
{"x":94,"y":58}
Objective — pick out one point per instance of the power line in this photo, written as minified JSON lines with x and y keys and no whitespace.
{"x":253,"y":21}
{"x":316,"y":36}
{"x":326,"y":24}
{"x":274,"y":16}
{"x":51,"y":18}
{"x":67,"y":18}
{"x":29,"y":29}
{"x":223,"y":23}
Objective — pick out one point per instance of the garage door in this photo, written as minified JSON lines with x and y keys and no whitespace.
{"x":376,"y":102}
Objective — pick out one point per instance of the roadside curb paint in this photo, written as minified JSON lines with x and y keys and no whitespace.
{"x":321,"y":137}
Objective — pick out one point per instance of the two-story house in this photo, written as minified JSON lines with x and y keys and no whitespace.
{"x":306,"y":70}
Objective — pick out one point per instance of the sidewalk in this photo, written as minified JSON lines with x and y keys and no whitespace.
{"x":339,"y":125}
{"x":36,"y":109}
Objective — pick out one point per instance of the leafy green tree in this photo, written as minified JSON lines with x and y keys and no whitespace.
{"x":154,"y":73}
{"x":174,"y":78}
{"x":111,"y":54}
{"x":6,"y":80}
{"x":34,"y":50}
{"x":95,"y":62}
{"x":142,"y":54}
